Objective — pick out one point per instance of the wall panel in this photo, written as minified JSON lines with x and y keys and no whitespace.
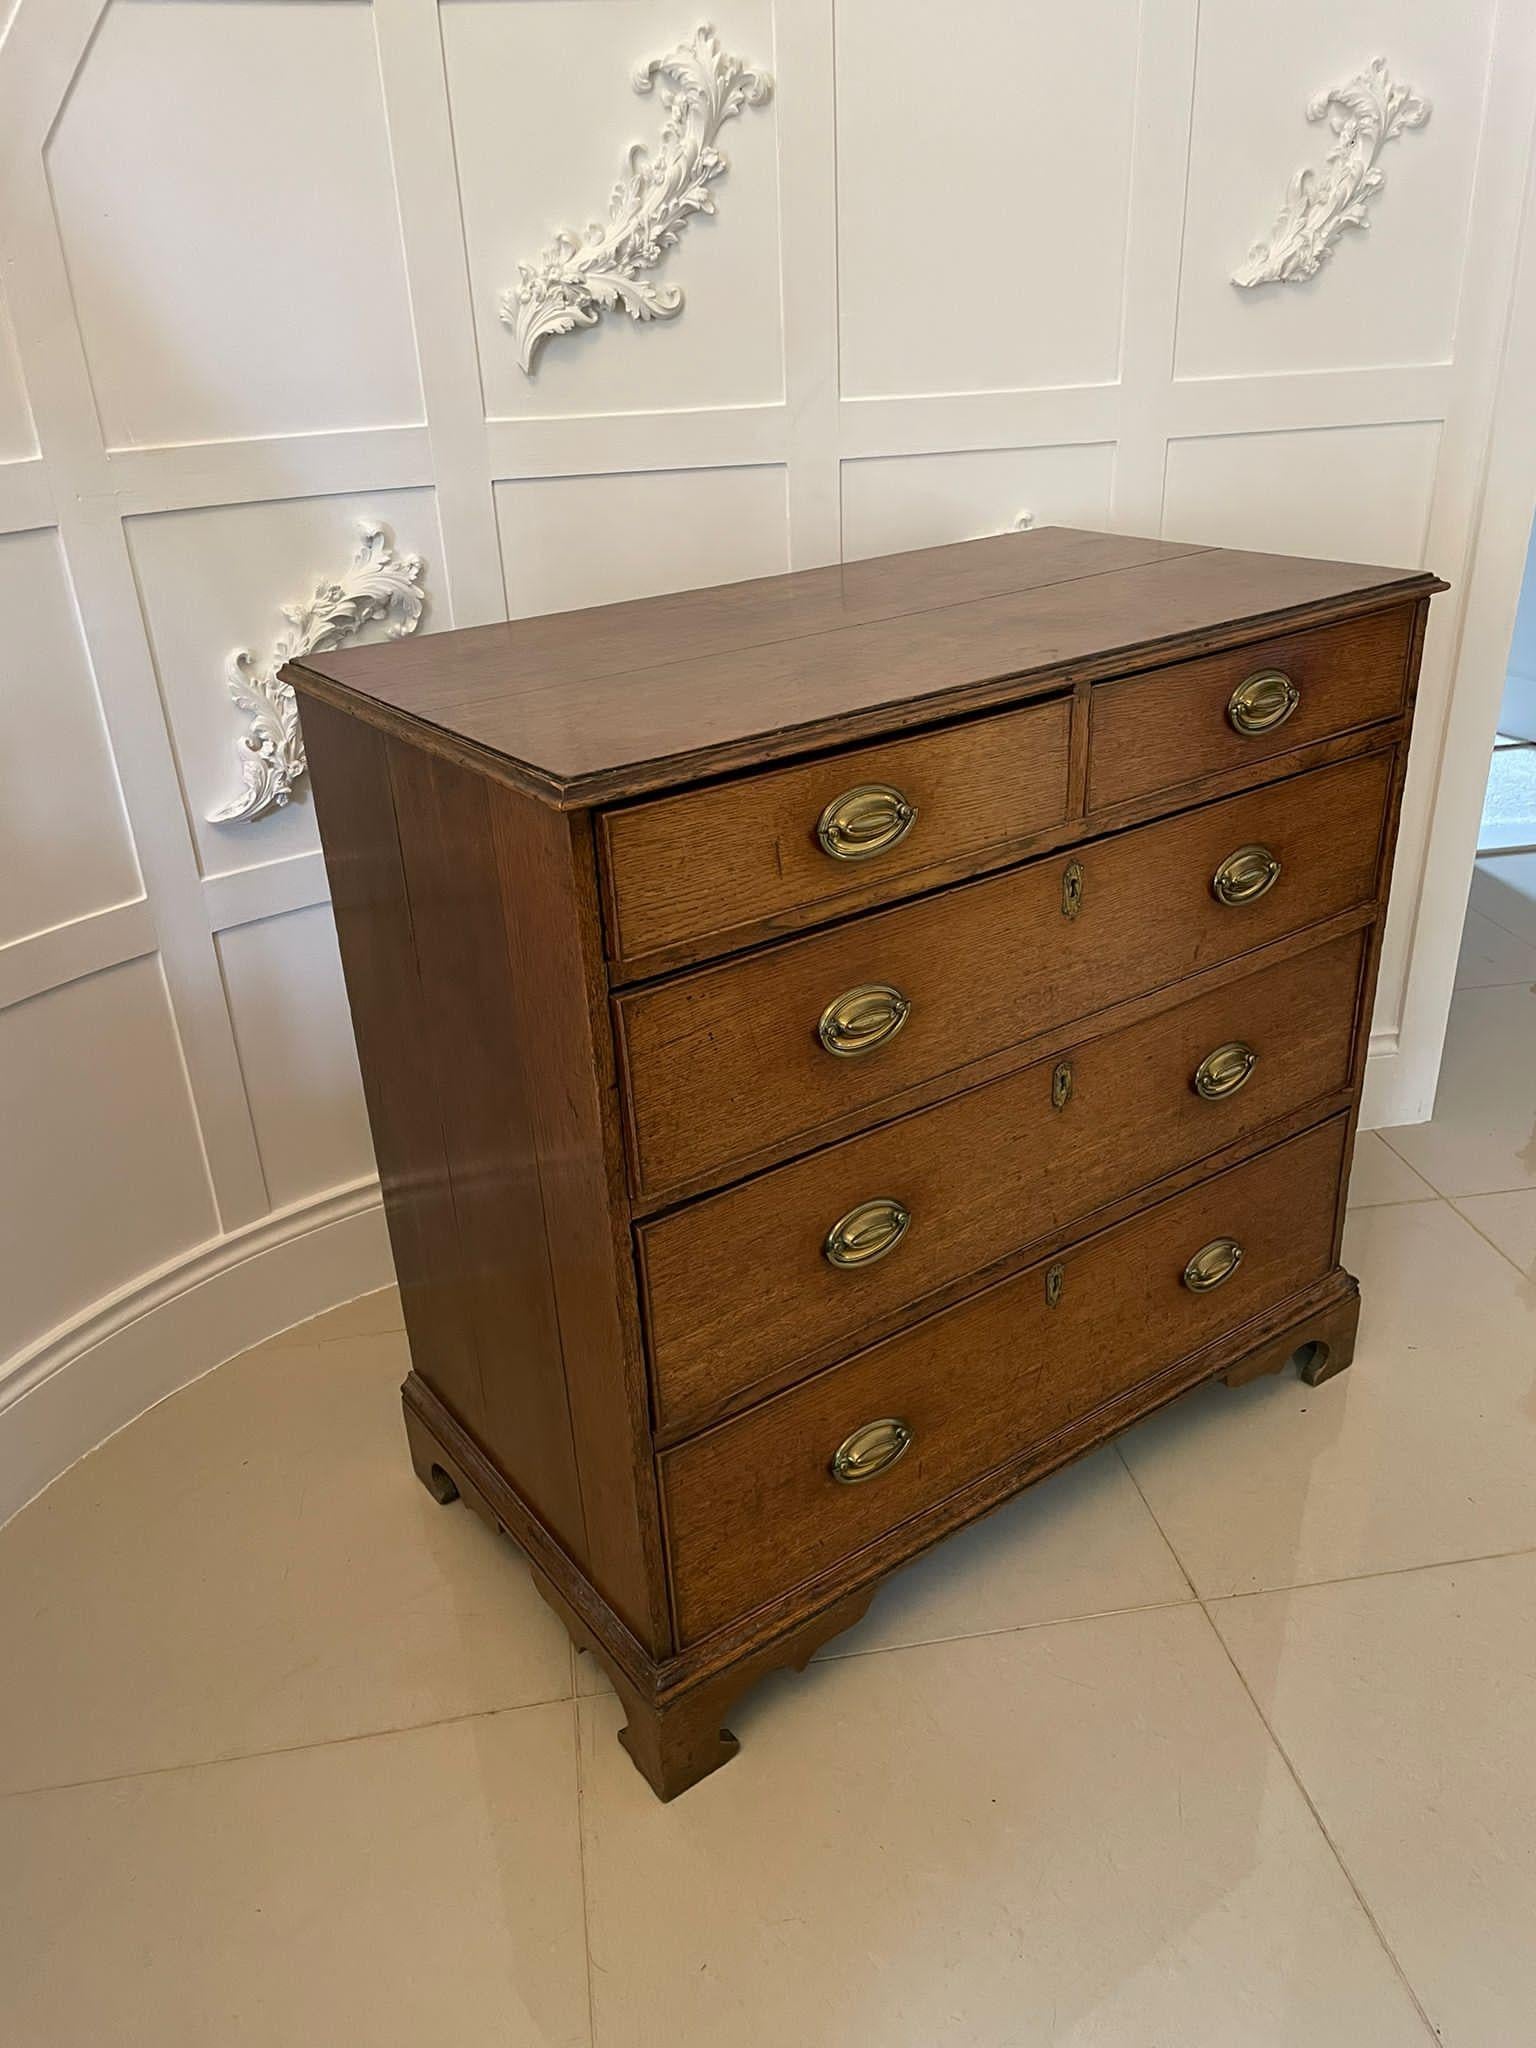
{"x":223,"y":188}
{"x":65,"y":847}
{"x":291,"y":1025}
{"x":17,"y":436}
{"x":571,"y":541}
{"x":1361,"y":493}
{"x":983,"y":170}
{"x":217,"y":578}
{"x":921,"y":501}
{"x":544,"y":111}
{"x":104,"y":1176}
{"x":1389,"y":293}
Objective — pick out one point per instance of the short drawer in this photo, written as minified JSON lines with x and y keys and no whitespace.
{"x":753,"y":1508}
{"x":801,"y":1260}
{"x":1153,"y":732}
{"x":727,"y":1065}
{"x":789,"y":843}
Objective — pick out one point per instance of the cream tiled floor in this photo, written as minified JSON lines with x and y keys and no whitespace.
{"x":1222,"y":1737}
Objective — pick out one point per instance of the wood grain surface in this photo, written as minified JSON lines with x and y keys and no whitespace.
{"x":470,"y":936}
{"x":722,"y":1061}
{"x":737,"y":1286}
{"x":708,"y":861}
{"x":752,"y":1508}
{"x":583,"y":707}
{"x":1155,"y":732}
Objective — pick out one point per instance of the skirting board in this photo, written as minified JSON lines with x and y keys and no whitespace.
{"x":85,"y":1383}
{"x":1392,"y":1094}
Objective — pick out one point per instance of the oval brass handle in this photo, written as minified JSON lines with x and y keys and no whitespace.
{"x":1262,"y":702}
{"x":867,"y":1233}
{"x":865,"y":821}
{"x":1224,"y":1070}
{"x":1245,"y":876}
{"x":1212,"y":1264}
{"x":871,"y":1450}
{"x":862,"y":1020}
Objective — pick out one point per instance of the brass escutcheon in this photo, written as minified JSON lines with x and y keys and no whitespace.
{"x":1224,"y":1070}
{"x":871,"y":1450}
{"x":1072,"y":888}
{"x":1055,"y":1280}
{"x":1262,"y":703}
{"x":862,"y":1020}
{"x":867,"y":1233}
{"x":1212,"y":1264}
{"x":865,"y":821}
{"x":1061,"y":1084}
{"x":1245,"y":875}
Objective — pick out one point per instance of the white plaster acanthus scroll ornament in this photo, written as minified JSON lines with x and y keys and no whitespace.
{"x":1369,"y":112}
{"x":379,"y":587}
{"x":575,"y":280}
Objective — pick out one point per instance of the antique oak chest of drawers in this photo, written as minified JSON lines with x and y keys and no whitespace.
{"x":840,"y":1046}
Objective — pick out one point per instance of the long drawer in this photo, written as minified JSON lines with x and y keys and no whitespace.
{"x":802,"y":1259}
{"x":753,"y":1508}
{"x":787,"y":844}
{"x":736,"y":1062}
{"x":1153,"y":732}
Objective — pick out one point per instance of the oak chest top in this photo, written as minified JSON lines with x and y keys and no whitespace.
{"x":580,"y":708}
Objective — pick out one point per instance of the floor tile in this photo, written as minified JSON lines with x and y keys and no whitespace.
{"x":1492,"y":957}
{"x":1406,"y":1705}
{"x":1508,"y":1221}
{"x":1078,"y":1835}
{"x":1504,"y":890}
{"x":1377,"y":1176}
{"x":590,"y":1677}
{"x":1482,"y":1139}
{"x":1079,"y":1543}
{"x":1424,"y":1451}
{"x":251,"y":1565}
{"x":398,"y":1890}
{"x":371,"y":1315}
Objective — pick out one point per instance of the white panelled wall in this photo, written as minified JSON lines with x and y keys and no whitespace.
{"x":968,"y":268}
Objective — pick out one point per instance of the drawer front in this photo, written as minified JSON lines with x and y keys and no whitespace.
{"x":1156,"y":731}
{"x":789,"y":844}
{"x":742,"y":1284}
{"x":752,"y":1507}
{"x":728,"y":1063}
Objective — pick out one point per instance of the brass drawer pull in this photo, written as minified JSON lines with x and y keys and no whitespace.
{"x":1212,"y":1264}
{"x":865,"y":821}
{"x":1245,"y":876}
{"x":867,"y":1233}
{"x":1224,"y":1070}
{"x":1262,"y":703}
{"x":871,"y":1450}
{"x":862,"y":1020}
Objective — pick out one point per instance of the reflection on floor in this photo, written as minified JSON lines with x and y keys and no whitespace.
{"x":1221,"y":1739}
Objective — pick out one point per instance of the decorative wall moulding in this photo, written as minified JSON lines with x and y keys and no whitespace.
{"x":380,"y":586}
{"x":577,"y":279}
{"x":1319,"y":204}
